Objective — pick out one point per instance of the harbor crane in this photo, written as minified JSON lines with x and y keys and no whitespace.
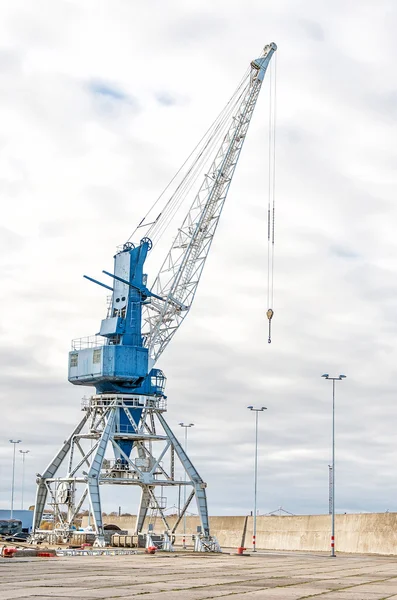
{"x":123,"y":437}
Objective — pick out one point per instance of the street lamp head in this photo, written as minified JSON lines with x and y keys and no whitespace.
{"x":326,"y":376}
{"x":15,"y":441}
{"x":250,"y":407}
{"x":188,"y":425}
{"x":24,"y":451}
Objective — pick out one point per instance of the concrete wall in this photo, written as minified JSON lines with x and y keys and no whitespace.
{"x":374,"y":533}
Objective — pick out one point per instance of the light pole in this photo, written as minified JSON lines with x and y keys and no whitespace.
{"x":333,"y":379}
{"x":330,"y":489}
{"x":23,"y":452}
{"x":15,"y":442}
{"x":256,"y":411}
{"x":186,"y":427}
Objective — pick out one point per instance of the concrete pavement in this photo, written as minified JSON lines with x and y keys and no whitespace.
{"x":184,"y":576}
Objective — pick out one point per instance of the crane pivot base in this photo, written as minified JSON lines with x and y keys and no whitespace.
{"x":123,"y":439}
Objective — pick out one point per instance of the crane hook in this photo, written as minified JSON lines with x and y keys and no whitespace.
{"x":269,"y":315}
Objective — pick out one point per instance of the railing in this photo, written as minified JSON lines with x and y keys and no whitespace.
{"x":142,"y":464}
{"x":115,"y":465}
{"x":148,"y":402}
{"x":124,"y":429}
{"x":161,"y":503}
{"x":91,"y":341}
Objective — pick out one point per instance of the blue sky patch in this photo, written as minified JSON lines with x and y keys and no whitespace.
{"x":343,"y":252}
{"x":107,"y":91}
{"x":165,"y":99}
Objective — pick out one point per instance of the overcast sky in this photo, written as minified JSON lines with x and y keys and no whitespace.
{"x":100,"y":103}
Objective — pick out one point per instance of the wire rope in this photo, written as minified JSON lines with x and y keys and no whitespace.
{"x":205,"y":140}
{"x":269,"y":186}
{"x":195,"y":171}
{"x":271,"y":209}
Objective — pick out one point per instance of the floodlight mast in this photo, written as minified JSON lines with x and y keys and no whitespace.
{"x":332,"y":486}
{"x":129,"y":399}
{"x":256,"y":411}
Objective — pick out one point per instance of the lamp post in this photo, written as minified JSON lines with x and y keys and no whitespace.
{"x":330,"y":489}
{"x":23,"y":452}
{"x":256,"y":411}
{"x":15,"y":442}
{"x":186,"y":427}
{"x":333,"y":379}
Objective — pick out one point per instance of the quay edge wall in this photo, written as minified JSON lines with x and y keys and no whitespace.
{"x":373,"y":533}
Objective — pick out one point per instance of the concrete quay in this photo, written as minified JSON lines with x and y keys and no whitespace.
{"x":367,"y":533}
{"x":184,"y":576}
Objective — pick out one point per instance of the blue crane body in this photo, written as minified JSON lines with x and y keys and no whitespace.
{"x":121,"y":363}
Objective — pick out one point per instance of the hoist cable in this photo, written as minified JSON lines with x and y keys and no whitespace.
{"x":271,"y":209}
{"x":179,"y":196}
{"x":157,"y":229}
{"x":274,"y":169}
{"x":190,"y":178}
{"x":215,"y":124}
{"x":170,"y":182}
{"x":269,"y":186}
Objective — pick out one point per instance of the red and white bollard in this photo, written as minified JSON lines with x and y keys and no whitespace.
{"x":254,"y":543}
{"x":8,"y":552}
{"x":332,"y":545}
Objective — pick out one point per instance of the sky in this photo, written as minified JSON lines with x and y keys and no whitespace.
{"x":100,"y":103}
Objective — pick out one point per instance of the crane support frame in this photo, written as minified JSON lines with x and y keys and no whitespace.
{"x":82,"y":465}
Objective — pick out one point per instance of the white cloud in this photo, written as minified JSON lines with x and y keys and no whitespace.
{"x":77,"y":172}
